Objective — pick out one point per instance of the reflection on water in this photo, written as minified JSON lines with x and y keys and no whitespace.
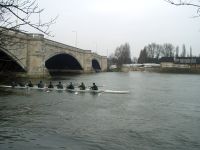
{"x":161,"y":112}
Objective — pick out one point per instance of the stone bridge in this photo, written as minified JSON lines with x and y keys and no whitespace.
{"x":37,"y":56}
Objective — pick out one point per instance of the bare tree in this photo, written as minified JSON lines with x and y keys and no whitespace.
{"x":143,"y":56}
{"x":112,"y":60}
{"x":154,"y":50}
{"x":123,"y":55}
{"x":183,"y":54}
{"x":15,"y":15}
{"x":168,"y":50}
{"x":158,"y":51}
{"x":134,"y":60}
{"x":194,"y":3}
{"x":190,"y":51}
{"x":151,"y":50}
{"x":177,"y":51}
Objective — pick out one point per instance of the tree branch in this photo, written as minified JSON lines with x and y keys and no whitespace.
{"x":22,"y":10}
{"x":181,"y":3}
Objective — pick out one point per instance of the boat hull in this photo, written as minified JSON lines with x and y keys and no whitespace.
{"x":65,"y":89}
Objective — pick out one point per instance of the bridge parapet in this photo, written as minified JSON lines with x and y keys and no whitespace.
{"x":64,"y":46}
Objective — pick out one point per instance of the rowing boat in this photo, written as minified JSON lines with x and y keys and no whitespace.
{"x":94,"y":91}
{"x":32,"y":88}
{"x":22,"y":87}
{"x":85,"y":91}
{"x":76,"y":90}
{"x":56,"y":89}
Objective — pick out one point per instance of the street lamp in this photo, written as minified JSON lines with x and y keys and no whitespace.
{"x":76,"y":38}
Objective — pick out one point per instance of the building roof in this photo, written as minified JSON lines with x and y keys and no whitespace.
{"x":181,"y":60}
{"x":166,"y":59}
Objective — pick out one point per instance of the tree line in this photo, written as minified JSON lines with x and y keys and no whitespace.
{"x":152,"y":52}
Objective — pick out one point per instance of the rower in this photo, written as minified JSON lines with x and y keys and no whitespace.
{"x":70,"y":86}
{"x":50,"y":86}
{"x":30,"y":84}
{"x":82,"y":86}
{"x":94,"y":87}
{"x":14,"y":84}
{"x":59,"y":85}
{"x":21,"y":84}
{"x":40,"y":84}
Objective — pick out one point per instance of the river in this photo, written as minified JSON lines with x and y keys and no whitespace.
{"x":162,"y":112}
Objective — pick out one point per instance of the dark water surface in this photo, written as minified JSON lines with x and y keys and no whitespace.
{"x":162,"y":112}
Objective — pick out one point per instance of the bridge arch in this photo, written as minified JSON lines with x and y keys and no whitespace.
{"x":63,"y":62}
{"x":96,"y":65}
{"x":9,"y":62}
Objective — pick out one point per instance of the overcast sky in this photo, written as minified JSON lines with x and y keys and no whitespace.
{"x":102,"y":25}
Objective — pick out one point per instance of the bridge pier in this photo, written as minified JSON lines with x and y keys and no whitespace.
{"x":35,"y":56}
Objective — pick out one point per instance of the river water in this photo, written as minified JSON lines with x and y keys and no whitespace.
{"x":162,"y":112}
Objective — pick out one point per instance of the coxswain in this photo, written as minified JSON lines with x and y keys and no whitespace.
{"x":59,"y":85}
{"x":70,"y":86}
{"x":82,"y":86}
{"x":40,"y":84}
{"x":30,"y":84}
{"x":94,"y":87}
{"x":50,"y":86}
